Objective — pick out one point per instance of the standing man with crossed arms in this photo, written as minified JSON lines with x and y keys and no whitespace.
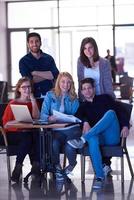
{"x":38,"y":66}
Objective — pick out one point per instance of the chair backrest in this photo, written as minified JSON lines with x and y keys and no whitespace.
{"x":117,"y":150}
{"x":126,"y":88}
{"x":11,"y":149}
{"x":126,"y":107}
{"x":2,"y":108}
{"x":3,"y":92}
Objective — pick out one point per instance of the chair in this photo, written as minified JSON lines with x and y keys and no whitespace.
{"x":3,"y":92}
{"x":111,"y":151}
{"x":126,"y":88}
{"x":8,"y":150}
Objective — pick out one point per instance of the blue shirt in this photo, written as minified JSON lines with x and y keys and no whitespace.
{"x":29,"y":63}
{"x":51,"y":102}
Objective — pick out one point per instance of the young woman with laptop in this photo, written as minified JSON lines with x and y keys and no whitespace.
{"x":27,"y":140}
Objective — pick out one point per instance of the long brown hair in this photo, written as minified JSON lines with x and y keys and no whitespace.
{"x":19,"y":83}
{"x":83,"y":58}
{"x":71,"y":91}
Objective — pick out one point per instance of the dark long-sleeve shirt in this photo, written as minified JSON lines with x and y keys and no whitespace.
{"x":93,"y":111}
{"x":29,"y":63}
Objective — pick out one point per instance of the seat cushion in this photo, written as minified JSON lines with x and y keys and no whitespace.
{"x":108,"y":151}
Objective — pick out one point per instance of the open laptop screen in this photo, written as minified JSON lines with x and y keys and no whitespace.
{"x":22,"y":114}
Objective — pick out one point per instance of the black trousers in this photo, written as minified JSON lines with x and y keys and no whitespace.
{"x":26,"y":142}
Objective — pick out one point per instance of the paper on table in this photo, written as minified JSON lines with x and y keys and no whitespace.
{"x":61,"y":117}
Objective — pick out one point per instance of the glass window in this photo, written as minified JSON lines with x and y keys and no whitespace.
{"x":77,"y":19}
{"x":32,"y":14}
{"x":125,"y":48}
{"x":105,"y":40}
{"x":18,"y":49}
{"x":105,"y":15}
{"x":48,"y":38}
{"x":49,"y":42}
{"x":123,"y":2}
{"x":85,"y":12}
{"x":124,"y":11}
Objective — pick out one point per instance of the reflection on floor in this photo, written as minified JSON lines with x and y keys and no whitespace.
{"x":113,"y":189}
{"x":48,"y":189}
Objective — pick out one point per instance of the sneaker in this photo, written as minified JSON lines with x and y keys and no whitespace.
{"x":35,"y":169}
{"x":16,"y":173}
{"x":76,"y":143}
{"x":59,"y":174}
{"x":107,"y":169}
{"x":98,"y":182}
{"x":69,"y":169}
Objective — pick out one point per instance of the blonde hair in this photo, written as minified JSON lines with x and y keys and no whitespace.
{"x":19,"y":83}
{"x":71,"y":91}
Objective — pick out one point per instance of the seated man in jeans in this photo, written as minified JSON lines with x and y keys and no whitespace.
{"x":102,"y":123}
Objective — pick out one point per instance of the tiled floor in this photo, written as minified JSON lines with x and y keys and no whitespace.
{"x":112,"y":189}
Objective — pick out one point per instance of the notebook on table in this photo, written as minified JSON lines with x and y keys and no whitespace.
{"x":22,"y":114}
{"x":62,"y":117}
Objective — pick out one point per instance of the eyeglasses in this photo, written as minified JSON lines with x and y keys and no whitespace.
{"x":25,"y":87}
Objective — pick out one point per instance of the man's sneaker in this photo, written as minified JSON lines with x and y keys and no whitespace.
{"x":76,"y":143}
{"x":59,"y":176}
{"x":16,"y":173}
{"x":98,"y":183}
{"x":69,"y":169}
{"x":59,"y":173}
{"x":107,"y":170}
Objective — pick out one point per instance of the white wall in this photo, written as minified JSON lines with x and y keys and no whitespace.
{"x":3,"y":55}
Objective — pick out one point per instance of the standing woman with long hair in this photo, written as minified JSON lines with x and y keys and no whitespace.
{"x":91,"y":65}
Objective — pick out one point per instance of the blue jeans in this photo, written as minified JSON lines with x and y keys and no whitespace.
{"x":60,"y":144}
{"x":105,"y":132}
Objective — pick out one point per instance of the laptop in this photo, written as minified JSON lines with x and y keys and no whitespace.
{"x":22,"y":114}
